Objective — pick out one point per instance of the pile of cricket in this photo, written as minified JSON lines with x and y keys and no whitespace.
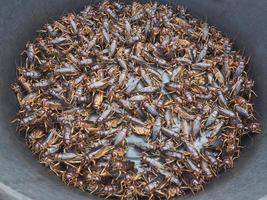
{"x":92,"y":80}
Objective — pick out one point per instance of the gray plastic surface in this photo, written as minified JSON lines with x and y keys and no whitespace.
{"x":243,"y":20}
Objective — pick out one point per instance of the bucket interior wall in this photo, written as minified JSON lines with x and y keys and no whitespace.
{"x":244,"y":21}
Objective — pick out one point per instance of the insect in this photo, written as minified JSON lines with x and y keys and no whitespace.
{"x":33,"y":118}
{"x":240,"y":68}
{"x":242,"y":111}
{"x":47,"y":141}
{"x":98,"y":144}
{"x":156,"y":129}
{"x":137,"y":98}
{"x":67,"y":132}
{"x":58,"y":40}
{"x":152,"y":109}
{"x":65,"y":156}
{"x":202,"y":54}
{"x":51,"y":150}
{"x":177,"y":155}
{"x":196,"y":126}
{"x":145,"y":146}
{"x":31,"y":74}
{"x":104,"y":115}
{"x":148,"y":89}
{"x":212,"y":117}
{"x":120,"y":136}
